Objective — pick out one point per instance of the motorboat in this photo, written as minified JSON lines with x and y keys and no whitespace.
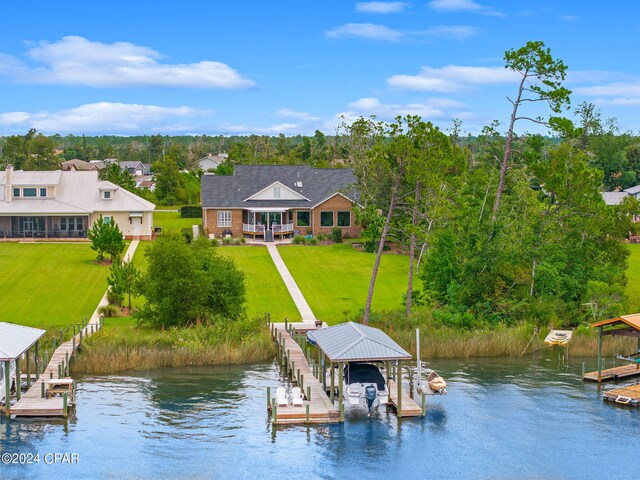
{"x":12,"y":376}
{"x":365,"y":385}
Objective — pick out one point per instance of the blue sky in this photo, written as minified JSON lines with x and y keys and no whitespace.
{"x":238,"y":67}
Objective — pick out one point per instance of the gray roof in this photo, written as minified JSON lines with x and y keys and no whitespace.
{"x":16,"y":339}
{"x":318,"y":184}
{"x":353,"y":342}
{"x":633,"y":190}
{"x":614,"y":198}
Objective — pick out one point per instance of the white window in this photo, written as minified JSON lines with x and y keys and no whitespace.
{"x":106,"y":194}
{"x":224,"y":218}
{"x":106,"y":218}
{"x":276,"y":192}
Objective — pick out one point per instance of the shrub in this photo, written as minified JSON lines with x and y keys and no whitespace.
{"x":215,"y":242}
{"x":108,"y":310}
{"x":298,"y":240}
{"x":322,"y":237}
{"x":187,"y":233}
{"x":191,"y":211}
{"x":336,"y":235}
{"x":227,"y":240}
{"x":312,"y":241}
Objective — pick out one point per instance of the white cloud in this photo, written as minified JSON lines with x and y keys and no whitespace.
{"x":616,"y":89}
{"x":618,"y":102}
{"x":75,"y":60}
{"x":371,"y":31}
{"x":452,"y":78}
{"x":380,"y":7}
{"x":463,"y":5}
{"x":243,"y":129}
{"x":105,"y":118}
{"x":288,"y":113}
{"x":430,"y":109}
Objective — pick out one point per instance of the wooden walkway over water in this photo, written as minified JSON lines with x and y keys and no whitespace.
{"x":34,"y":402}
{"x":307,"y":374}
{"x":615,"y":373}
{"x":316,"y":409}
{"x":628,"y":395}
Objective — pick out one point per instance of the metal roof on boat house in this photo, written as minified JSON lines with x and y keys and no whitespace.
{"x":16,"y":339}
{"x":353,"y":342}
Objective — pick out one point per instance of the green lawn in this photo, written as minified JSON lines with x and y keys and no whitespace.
{"x":172,"y":222}
{"x":335,"y":279}
{"x":45,"y":285}
{"x":633,"y":278}
{"x":266,"y":291}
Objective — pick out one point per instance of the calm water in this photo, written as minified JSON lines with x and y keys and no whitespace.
{"x":501,"y":419}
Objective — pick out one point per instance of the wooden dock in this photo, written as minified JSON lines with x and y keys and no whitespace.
{"x":629,"y":395}
{"x":409,"y":407}
{"x":34,"y":402}
{"x":615,"y":373}
{"x":319,"y":408}
{"x":316,"y":409}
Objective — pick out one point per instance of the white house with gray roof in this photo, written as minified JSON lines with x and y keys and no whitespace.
{"x":65,"y":204}
{"x":279,"y":200}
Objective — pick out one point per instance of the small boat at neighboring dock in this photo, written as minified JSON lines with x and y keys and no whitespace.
{"x":558,"y":337}
{"x":436,"y":383}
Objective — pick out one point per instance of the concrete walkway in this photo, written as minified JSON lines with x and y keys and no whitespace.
{"x":301,"y":304}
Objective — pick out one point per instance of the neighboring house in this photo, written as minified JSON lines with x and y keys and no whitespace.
{"x":211,"y":162}
{"x":79,"y":165}
{"x":136,"y":168}
{"x":279,"y":200}
{"x":145,"y":181}
{"x":616,"y":198}
{"x":65,"y":204}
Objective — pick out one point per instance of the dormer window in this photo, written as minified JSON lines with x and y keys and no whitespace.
{"x":43,"y":192}
{"x":16,"y":192}
{"x":106,"y":194}
{"x":29,"y":192}
{"x":276,"y":192}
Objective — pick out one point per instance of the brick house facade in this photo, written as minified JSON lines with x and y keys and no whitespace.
{"x":265,"y":201}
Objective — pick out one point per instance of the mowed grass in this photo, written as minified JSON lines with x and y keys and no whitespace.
{"x":335,"y":279}
{"x":47,"y":285}
{"x":266,"y":292}
{"x":633,"y":278}
{"x":173,"y":222}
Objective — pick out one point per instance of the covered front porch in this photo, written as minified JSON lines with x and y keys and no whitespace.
{"x":268,"y":223}
{"x":43,"y":227}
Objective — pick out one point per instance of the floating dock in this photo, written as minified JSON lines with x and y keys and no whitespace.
{"x":615,"y":373}
{"x":323,"y":401}
{"x":629,"y":395}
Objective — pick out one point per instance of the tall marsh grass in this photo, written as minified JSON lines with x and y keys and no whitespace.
{"x":445,"y":342}
{"x":142,"y":348}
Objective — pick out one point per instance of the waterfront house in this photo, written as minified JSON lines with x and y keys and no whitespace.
{"x":279,"y":200}
{"x":65,"y":204}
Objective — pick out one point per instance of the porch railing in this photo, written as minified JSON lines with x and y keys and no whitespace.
{"x":248,"y":227}
{"x":284,"y":228}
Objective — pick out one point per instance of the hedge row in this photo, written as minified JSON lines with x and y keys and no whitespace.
{"x":191,"y":211}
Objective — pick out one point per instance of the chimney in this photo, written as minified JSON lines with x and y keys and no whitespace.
{"x":8,"y":194}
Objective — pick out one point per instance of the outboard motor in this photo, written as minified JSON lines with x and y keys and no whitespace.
{"x":370,"y":394}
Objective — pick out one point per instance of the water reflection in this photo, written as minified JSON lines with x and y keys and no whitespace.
{"x":502,"y":418}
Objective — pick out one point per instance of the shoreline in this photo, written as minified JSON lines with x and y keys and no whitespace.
{"x":109,"y":353}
